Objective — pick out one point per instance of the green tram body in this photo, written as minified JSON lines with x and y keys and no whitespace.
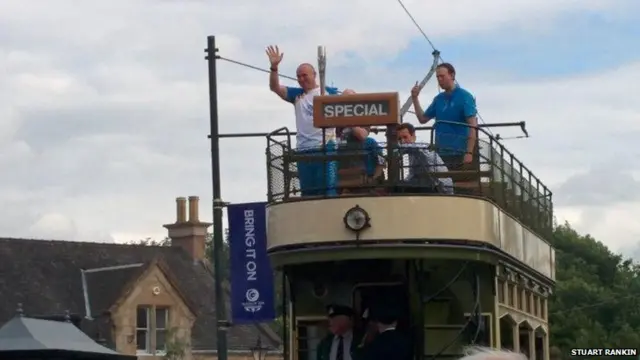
{"x":468,"y":269}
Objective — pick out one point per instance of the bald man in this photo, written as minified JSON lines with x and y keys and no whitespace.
{"x":316,"y":178}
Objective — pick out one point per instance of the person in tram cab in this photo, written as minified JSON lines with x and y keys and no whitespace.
{"x":389,"y":343}
{"x":423,"y":162}
{"x":342,"y":341}
{"x":316,"y":177}
{"x":370,"y":330}
{"x":367,"y":170}
{"x":455,"y":114}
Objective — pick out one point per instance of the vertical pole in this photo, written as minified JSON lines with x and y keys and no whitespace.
{"x":322,"y":68}
{"x":218,"y":204}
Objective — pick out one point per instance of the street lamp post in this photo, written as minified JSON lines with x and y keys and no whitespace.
{"x":259,"y":352}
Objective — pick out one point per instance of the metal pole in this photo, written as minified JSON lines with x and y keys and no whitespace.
{"x":218,"y":204}
{"x":322,"y":67}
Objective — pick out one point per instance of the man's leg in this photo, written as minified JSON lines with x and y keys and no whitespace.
{"x":330,"y":170}
{"x":308,"y":174}
{"x":306,"y":178}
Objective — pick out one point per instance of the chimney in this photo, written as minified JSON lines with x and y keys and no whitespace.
{"x":193,"y":209}
{"x":189,"y":235}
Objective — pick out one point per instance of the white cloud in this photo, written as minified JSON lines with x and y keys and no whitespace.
{"x":105,"y":104}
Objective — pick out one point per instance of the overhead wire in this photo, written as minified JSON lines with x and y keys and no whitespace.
{"x":253,"y":67}
{"x":424,"y":34}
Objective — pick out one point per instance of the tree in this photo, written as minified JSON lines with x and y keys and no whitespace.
{"x":596,"y":302}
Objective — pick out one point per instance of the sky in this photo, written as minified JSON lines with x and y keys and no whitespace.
{"x":104,"y":104}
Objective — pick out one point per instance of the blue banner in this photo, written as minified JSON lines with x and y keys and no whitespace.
{"x":252,"y":283}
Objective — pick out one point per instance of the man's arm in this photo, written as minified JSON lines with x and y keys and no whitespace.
{"x":424,"y":116}
{"x":471,"y":114}
{"x":274,"y":84}
{"x":288,"y":94}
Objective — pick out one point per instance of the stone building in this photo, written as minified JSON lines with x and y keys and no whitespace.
{"x":132,"y":298}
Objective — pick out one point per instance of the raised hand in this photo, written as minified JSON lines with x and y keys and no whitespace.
{"x":274,"y":55}
{"x":415,"y":91}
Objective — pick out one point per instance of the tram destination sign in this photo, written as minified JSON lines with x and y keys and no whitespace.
{"x":355,"y":110}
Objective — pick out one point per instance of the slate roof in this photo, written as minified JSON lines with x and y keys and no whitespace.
{"x":46,"y":277}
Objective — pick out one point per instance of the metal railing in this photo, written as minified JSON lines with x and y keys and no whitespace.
{"x":356,"y":169}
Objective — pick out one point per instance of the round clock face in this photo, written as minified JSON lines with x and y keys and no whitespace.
{"x":356,"y":219}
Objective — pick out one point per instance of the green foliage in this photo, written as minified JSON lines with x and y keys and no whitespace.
{"x":597,"y":297}
{"x":176,"y":347}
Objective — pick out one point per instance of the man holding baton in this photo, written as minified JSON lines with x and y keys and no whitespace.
{"x":316,"y":177}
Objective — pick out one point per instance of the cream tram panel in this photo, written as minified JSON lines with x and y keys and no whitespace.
{"x":408,"y":217}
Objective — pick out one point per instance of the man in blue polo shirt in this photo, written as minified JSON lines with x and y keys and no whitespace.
{"x":455,"y":113}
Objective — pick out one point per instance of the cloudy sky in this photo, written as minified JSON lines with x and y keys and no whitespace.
{"x":104,"y":104}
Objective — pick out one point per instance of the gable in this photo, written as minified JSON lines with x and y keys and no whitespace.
{"x":48,"y":281}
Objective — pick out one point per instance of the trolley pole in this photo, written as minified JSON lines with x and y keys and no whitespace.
{"x":221,"y":316}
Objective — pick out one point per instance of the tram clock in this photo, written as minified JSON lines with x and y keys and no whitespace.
{"x":357,"y":219}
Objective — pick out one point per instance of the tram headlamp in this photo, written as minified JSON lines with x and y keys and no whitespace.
{"x":356,"y":219}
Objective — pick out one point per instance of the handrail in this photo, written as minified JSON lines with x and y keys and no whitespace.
{"x":499,"y":176}
{"x":496,"y":141}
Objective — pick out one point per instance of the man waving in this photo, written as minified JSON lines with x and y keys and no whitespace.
{"x":316,"y":177}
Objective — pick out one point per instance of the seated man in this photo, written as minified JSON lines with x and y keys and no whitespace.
{"x":422,"y":162}
{"x":367,"y":170}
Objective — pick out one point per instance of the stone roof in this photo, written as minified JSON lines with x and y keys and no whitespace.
{"x":47,"y":278}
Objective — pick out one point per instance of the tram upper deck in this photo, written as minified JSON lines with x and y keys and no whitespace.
{"x":411,"y":195}
{"x":498,"y":176}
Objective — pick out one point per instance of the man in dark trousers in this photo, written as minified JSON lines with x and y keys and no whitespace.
{"x":342,"y":342}
{"x":389,"y":344}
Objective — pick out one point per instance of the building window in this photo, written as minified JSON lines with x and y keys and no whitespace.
{"x":152,"y":324}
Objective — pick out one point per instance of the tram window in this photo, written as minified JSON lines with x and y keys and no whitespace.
{"x":483,"y":337}
{"x":512,"y":293}
{"x":527,"y":299}
{"x":309,"y":334}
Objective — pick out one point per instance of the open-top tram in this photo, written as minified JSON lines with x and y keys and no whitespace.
{"x":468,"y":266}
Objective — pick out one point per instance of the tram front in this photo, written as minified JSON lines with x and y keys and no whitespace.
{"x":467,"y":265}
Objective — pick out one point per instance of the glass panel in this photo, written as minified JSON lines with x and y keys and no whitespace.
{"x":161,"y":318}
{"x":141,"y":340}
{"x":141,"y":318}
{"x":161,"y":340}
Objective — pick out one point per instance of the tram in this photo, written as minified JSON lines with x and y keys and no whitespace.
{"x":468,"y":267}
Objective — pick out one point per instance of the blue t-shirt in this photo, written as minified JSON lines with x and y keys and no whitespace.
{"x":455,"y":108}
{"x":374,"y":155}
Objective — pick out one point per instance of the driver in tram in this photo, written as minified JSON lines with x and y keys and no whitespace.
{"x":342,"y":341}
{"x":371,"y":329}
{"x":316,"y":177}
{"x":389,"y":343}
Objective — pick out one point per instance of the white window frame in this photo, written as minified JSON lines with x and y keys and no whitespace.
{"x":162,"y":352}
{"x":151,"y":330}
{"x":147,"y":330}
